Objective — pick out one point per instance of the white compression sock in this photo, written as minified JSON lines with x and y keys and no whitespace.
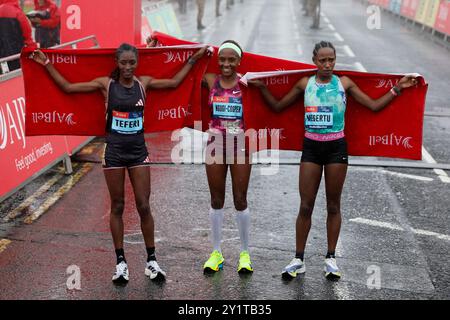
{"x":216,"y":218}
{"x":243,"y":222}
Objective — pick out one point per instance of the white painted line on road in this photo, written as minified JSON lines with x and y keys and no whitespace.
{"x":338,"y":37}
{"x":231,"y":239}
{"x":409,"y":176}
{"x":132,"y":241}
{"x":398,"y":174}
{"x":32,"y":198}
{"x":440,"y":173}
{"x":58,"y":194}
{"x":355,"y":66}
{"x":349,"y":51}
{"x":392,"y":226}
{"x":209,"y":229}
{"x":332,"y":28}
{"x":360,"y":67}
{"x":325,"y":18}
{"x":299,"y":49}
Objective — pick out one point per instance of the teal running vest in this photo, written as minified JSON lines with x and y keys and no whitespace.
{"x":325,"y":106}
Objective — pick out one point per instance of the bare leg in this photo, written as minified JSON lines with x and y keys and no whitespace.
{"x":310,"y":176}
{"x":240,"y":177}
{"x":115,"y":181}
{"x":140,"y":180}
{"x":217,"y":174}
{"x":334,"y":182}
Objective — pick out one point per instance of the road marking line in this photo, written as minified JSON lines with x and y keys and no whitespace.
{"x":360,"y":67}
{"x":28,"y":201}
{"x":299,"y":49}
{"x":355,"y":66}
{"x":349,"y":51}
{"x":230,"y":239}
{"x":3,"y":244}
{"x":338,"y":37}
{"x":332,"y":28}
{"x":440,"y":173}
{"x":325,"y":18}
{"x":209,"y":229}
{"x":398,"y":174}
{"x":58,"y":194}
{"x":392,"y":226}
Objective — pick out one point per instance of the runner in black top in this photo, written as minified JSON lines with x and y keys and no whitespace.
{"x":125,"y":148}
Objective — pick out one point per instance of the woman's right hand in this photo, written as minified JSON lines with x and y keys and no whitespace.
{"x":39,"y":57}
{"x":151,"y":42}
{"x":257,"y":83}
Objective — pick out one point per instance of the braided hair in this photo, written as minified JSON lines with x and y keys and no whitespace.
{"x":323,"y":44}
{"x":121,"y":49}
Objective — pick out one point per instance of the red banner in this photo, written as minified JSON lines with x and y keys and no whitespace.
{"x":51,"y":111}
{"x":396,"y":131}
{"x":21,"y":157}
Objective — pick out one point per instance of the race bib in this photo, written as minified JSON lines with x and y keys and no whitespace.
{"x":127,"y":122}
{"x":227,"y":107}
{"x":319,"y":117}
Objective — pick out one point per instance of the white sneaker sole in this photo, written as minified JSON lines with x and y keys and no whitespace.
{"x":292,"y":275}
{"x":120,"y":279}
{"x":155,"y":276}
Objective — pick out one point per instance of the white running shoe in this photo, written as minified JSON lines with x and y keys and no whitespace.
{"x":153,"y":271}
{"x":293,"y":268}
{"x":121,"y":274}
{"x":331,"y":269}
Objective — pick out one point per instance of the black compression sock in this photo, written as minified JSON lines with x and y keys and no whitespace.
{"x":151,"y":254}
{"x":330,"y":255}
{"x":299,"y":255}
{"x":120,"y":254}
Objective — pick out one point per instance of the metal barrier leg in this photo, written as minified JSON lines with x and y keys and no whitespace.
{"x":67,"y":165}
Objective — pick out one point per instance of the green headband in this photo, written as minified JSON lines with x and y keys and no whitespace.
{"x":232,"y":46}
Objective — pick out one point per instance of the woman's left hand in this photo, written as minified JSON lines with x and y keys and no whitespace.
{"x":407,"y":81}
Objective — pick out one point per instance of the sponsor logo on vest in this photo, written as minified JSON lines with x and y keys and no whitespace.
{"x":173,"y":57}
{"x":140,"y":103}
{"x":174,"y":113}
{"x":53,"y":117}
{"x":391,"y":140}
{"x":12,"y":122}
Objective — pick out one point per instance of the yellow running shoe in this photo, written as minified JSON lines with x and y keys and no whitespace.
{"x":331,"y":269}
{"x":214,"y":263}
{"x":245,"y":265}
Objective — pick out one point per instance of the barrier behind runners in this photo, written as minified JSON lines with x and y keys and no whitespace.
{"x":24,"y":158}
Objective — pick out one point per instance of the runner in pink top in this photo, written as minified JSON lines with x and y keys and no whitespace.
{"x":226,"y":148}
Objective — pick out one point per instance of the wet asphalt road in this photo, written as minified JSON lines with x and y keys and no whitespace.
{"x":395,"y":221}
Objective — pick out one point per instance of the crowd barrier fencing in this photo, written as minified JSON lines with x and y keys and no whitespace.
{"x":22,"y":158}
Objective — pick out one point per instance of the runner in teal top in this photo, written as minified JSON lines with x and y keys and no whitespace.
{"x":324,"y":146}
{"x":325,"y":106}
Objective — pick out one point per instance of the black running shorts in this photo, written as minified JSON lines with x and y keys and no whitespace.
{"x":122,"y":155}
{"x":326,"y":152}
